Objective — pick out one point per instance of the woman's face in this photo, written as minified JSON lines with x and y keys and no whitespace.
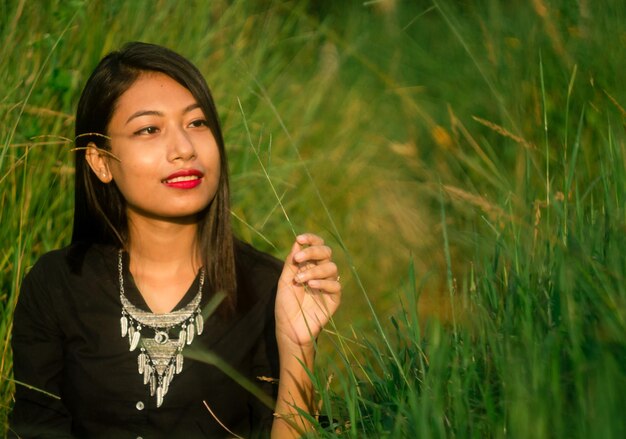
{"x":169,"y":163}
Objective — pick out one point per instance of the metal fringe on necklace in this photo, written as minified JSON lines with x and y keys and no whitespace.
{"x":160,"y":357}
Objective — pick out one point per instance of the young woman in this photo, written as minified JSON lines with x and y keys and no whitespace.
{"x":110,"y":333}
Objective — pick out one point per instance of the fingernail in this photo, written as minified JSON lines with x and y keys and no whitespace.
{"x":314,"y":283}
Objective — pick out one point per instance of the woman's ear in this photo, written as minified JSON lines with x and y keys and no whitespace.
{"x":98,"y":162}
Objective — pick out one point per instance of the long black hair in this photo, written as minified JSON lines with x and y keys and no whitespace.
{"x":100,"y":209}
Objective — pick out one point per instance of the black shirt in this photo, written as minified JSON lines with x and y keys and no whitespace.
{"x":67,"y":342}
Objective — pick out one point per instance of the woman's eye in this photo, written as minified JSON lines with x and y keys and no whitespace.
{"x":147,"y":130}
{"x":199,"y":123}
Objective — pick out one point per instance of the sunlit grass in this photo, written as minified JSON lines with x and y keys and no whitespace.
{"x":467,"y":163}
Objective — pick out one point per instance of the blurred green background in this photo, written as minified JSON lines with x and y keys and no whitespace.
{"x":465,"y":159}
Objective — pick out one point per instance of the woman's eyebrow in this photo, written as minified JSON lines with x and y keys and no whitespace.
{"x":140,"y":113}
{"x":191,"y":107}
{"x":143,"y":113}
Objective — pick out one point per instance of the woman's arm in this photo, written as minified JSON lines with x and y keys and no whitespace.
{"x":308,"y":295}
{"x":295,"y":391}
{"x":37,"y":363}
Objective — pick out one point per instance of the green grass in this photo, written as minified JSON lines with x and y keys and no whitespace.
{"x":466,"y":160}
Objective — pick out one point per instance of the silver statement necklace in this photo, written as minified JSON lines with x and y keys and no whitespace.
{"x":161,"y":356}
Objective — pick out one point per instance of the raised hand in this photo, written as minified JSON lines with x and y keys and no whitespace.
{"x":308,"y":293}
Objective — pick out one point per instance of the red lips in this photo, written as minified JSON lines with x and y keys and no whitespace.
{"x":184,"y":179}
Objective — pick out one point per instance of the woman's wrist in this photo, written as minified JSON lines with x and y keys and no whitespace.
{"x":295,"y":390}
{"x":288,"y":348}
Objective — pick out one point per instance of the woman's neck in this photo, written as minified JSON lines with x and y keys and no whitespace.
{"x":161,"y":246}
{"x":164,"y":259}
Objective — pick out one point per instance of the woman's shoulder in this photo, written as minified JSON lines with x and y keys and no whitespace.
{"x":59,"y":277}
{"x":257,"y":275}
{"x":51,"y":263}
{"x":68,"y":260}
{"x":253,"y":260}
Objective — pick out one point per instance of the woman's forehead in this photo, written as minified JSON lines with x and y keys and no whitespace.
{"x":153,"y":92}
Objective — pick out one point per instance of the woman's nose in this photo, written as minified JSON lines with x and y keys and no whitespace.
{"x":181,"y":146}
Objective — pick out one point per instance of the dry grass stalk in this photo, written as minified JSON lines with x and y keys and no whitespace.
{"x":614,"y":101}
{"x":551,"y":29}
{"x":489,"y":208}
{"x":68,"y":119}
{"x":504,"y":132}
{"x":459,"y":128}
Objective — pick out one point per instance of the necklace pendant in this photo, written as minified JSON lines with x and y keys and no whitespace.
{"x":134,"y":341}
{"x":166,"y":383}
{"x":152,"y":384}
{"x":170,"y":373}
{"x":159,"y":396}
{"x":124,"y":325}
{"x":199,"y":324}
{"x":141,"y":362}
{"x":190,"y":333}
{"x":179,"y":363}
{"x":161,"y":337}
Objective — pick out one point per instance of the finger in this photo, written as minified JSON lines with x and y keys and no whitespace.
{"x":313,"y":253}
{"x":326,"y":271}
{"x":291,"y":267}
{"x":331,"y":287}
{"x":309,"y":239}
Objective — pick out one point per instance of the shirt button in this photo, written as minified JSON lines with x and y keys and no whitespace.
{"x":139,"y":406}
